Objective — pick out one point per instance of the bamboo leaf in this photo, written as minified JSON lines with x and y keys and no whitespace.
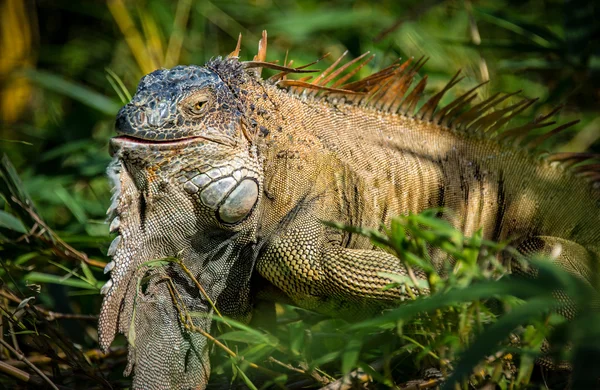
{"x":73,"y":90}
{"x":11,"y":222}
{"x":484,"y":290}
{"x":487,"y":342}
{"x":350,"y":354}
{"x":38,"y":277}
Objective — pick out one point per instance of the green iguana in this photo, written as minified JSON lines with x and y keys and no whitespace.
{"x":234,"y":175}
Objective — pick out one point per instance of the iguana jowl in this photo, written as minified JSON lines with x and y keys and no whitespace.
{"x":233,"y":175}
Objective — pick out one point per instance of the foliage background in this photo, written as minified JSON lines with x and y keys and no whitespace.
{"x":66,"y":68}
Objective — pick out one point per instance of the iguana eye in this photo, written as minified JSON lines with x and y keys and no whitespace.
{"x":197,"y":104}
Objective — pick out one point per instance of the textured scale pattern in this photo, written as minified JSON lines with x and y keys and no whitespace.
{"x":222,"y":181}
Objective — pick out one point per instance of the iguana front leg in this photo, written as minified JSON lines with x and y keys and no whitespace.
{"x":307,"y":263}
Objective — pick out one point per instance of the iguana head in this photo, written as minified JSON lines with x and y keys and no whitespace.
{"x":189,"y":124}
{"x":188,"y":185}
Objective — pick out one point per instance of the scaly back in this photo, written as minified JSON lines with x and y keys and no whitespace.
{"x":407,"y":156}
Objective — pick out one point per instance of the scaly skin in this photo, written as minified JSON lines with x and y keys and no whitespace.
{"x":363,"y":167}
{"x":233,"y":175}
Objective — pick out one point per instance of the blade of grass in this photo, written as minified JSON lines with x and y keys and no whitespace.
{"x":119,"y":82}
{"x":153,"y":42}
{"x":75,"y":91}
{"x":38,"y":277}
{"x":487,"y":341}
{"x":132,"y":36}
{"x":11,"y":222}
{"x":521,"y":288}
{"x":177,"y":35}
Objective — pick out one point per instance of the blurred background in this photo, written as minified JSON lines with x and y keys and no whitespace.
{"x":67,"y":66}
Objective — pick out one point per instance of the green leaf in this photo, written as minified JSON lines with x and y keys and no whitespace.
{"x":14,"y":185}
{"x":245,"y":378}
{"x":75,"y":91}
{"x":22,"y":259}
{"x":89,"y":275}
{"x":350,"y":354}
{"x":11,"y":222}
{"x":71,"y":204}
{"x":244,"y":336}
{"x":542,"y":37}
{"x":236,"y":324}
{"x":298,"y":24}
{"x":326,"y":358}
{"x":296,"y":336}
{"x":38,"y":277}
{"x":24,"y":332}
{"x":158,"y":263}
{"x":255,"y":353}
{"x":483,"y":290}
{"x":404,"y":279}
{"x":118,"y":86}
{"x":488,"y":340}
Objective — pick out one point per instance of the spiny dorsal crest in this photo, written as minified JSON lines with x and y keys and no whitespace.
{"x":393,"y":90}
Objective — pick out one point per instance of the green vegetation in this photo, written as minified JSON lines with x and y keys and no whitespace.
{"x":67,"y":67}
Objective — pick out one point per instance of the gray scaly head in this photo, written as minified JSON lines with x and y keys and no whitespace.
{"x":187,"y":186}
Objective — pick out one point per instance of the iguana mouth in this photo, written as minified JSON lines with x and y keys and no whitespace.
{"x":128,"y":138}
{"x":121,"y":141}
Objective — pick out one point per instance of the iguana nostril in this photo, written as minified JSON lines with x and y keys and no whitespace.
{"x":153,"y":117}
{"x":163,"y":109}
